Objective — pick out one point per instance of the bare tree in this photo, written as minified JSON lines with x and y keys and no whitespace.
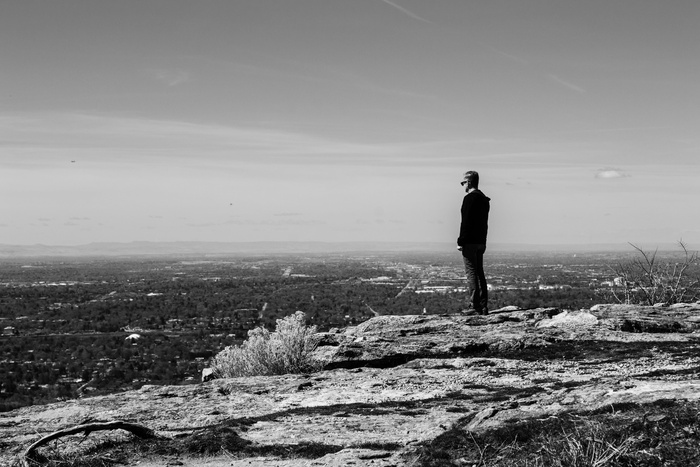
{"x":648,"y":281}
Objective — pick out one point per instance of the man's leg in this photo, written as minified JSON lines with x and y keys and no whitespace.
{"x":483,"y":296}
{"x":470,"y":258}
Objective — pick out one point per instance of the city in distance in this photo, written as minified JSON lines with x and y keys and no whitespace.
{"x":128,"y":320}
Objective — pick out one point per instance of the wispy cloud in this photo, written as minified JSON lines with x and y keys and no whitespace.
{"x":362,"y":82}
{"x":260,"y":222}
{"x":407,"y":12}
{"x":566,"y":84}
{"x":171,"y":77}
{"x":47,"y":142}
{"x":507,"y":55}
{"x":52,"y":140}
{"x":610,"y":174}
{"x":288,"y":68}
{"x":612,"y":130}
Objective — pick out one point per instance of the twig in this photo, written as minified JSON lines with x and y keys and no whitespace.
{"x":481,"y":451}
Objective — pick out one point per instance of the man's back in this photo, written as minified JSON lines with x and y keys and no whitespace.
{"x":475,"y":218}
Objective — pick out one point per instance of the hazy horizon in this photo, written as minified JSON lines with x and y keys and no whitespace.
{"x":332,"y":120}
{"x":212,"y":249}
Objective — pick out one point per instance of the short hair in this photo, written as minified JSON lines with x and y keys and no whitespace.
{"x":473,"y":177}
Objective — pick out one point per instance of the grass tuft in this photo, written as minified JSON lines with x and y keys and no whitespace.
{"x":213,"y":441}
{"x":654,"y":435}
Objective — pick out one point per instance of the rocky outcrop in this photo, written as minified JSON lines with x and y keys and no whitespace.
{"x":388,"y":341}
{"x":394,"y":382}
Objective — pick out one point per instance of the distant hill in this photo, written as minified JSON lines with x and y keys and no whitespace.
{"x":116,"y":249}
{"x":207,"y":248}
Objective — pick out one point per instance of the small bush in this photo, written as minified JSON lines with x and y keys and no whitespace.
{"x":286,"y":350}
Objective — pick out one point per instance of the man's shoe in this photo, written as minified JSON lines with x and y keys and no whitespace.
{"x":470,"y":312}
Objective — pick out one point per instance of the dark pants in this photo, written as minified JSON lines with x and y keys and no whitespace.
{"x":477,"y":294}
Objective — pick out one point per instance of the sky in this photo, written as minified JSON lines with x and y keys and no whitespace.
{"x":348,"y":120}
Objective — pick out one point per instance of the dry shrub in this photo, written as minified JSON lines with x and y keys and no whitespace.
{"x":648,"y":281}
{"x":286,"y":350}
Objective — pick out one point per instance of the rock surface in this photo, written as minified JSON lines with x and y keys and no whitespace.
{"x":394,"y":382}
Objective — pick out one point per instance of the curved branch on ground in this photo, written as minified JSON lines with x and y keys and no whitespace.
{"x":134,"y":428}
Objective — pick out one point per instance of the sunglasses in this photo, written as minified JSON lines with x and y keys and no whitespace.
{"x":463,"y":183}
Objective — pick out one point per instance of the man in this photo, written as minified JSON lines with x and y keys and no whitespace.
{"x":472,"y":242}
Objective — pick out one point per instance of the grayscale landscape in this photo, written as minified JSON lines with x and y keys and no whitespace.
{"x":244,"y":233}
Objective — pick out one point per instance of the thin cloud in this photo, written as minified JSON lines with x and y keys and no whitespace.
{"x":610,"y":174}
{"x":260,"y":222}
{"x":407,"y":12}
{"x":285,"y":67}
{"x":566,"y":84}
{"x":50,"y":138}
{"x":512,"y":57}
{"x":611,"y":130}
{"x":172,"y":77}
{"x":361,"y":82}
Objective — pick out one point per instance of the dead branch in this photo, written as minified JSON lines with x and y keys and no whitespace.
{"x":646,"y":279}
{"x":134,"y":428}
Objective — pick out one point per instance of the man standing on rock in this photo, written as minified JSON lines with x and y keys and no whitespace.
{"x":472,"y":243}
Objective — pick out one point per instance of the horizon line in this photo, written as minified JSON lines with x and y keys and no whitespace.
{"x":210,"y":248}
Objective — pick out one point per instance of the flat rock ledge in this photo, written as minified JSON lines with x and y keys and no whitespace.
{"x":395,"y":382}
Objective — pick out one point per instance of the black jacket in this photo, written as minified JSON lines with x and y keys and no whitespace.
{"x":475,"y":219}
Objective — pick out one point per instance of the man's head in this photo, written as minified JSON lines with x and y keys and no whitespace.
{"x":471,"y":179}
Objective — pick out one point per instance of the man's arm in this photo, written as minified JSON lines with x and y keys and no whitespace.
{"x":464,"y":225}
